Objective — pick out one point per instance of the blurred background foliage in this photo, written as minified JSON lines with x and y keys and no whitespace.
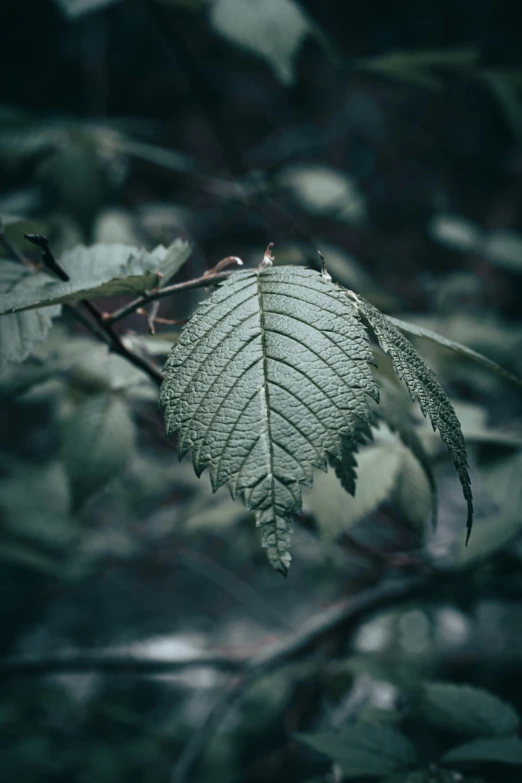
{"x":390,"y":137}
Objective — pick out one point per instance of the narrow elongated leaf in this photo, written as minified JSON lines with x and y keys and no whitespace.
{"x":264,"y":380}
{"x":369,"y":750}
{"x":97,"y":444}
{"x":419,"y":331}
{"x":271,"y":29}
{"x":423,"y":386}
{"x":468,"y":710}
{"x":20,"y":331}
{"x":100,"y":270}
{"x":506,"y":750}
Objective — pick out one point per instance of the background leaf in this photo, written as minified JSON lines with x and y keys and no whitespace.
{"x":367,"y":750}
{"x":20,"y":331}
{"x":468,"y":710}
{"x":506,"y":750}
{"x":97,"y":444}
{"x":271,"y":29}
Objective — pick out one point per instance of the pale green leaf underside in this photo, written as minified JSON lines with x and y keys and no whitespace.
{"x":427,"y":334}
{"x":423,"y":386}
{"x":100,"y":270}
{"x":20,"y":331}
{"x":267,"y":376}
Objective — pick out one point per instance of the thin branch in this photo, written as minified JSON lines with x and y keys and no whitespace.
{"x":109,"y":663}
{"x":341,"y":619}
{"x":198,"y":282}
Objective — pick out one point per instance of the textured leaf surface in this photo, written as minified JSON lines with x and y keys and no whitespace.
{"x":370,"y":750}
{"x":262,"y":383}
{"x":100,"y":270}
{"x":419,"y":331}
{"x":20,"y":331}
{"x":97,"y":444}
{"x":506,"y":750}
{"x":271,"y":29}
{"x":423,"y":386}
{"x":469,"y":710}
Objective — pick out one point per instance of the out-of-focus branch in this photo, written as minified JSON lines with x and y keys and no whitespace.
{"x":343,"y":618}
{"x":94,"y":662}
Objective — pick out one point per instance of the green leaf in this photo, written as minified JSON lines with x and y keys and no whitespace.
{"x":334,"y":509}
{"x":271,"y":29}
{"x":419,"y":68}
{"x":264,"y":380}
{"x":99,"y":270}
{"x":422,"y":385}
{"x":19,"y":332}
{"x":370,"y":750}
{"x":97,"y":444}
{"x":506,"y":750}
{"x":420,"y":331}
{"x":76,"y":8}
{"x":468,"y":710}
{"x":394,"y":410}
{"x":177,"y":253}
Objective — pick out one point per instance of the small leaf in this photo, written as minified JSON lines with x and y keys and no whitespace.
{"x":99,"y":270}
{"x":420,"y":331}
{"x":423,"y":386}
{"x":271,"y":29}
{"x":20,"y":331}
{"x":506,"y":750}
{"x":370,"y":750}
{"x":97,"y":444}
{"x":469,"y":710}
{"x":264,"y":380}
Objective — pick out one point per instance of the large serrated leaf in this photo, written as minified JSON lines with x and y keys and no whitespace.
{"x":468,"y":710}
{"x":267,"y":376}
{"x":423,"y":386}
{"x":96,"y":271}
{"x":20,"y":331}
{"x":366,"y":750}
